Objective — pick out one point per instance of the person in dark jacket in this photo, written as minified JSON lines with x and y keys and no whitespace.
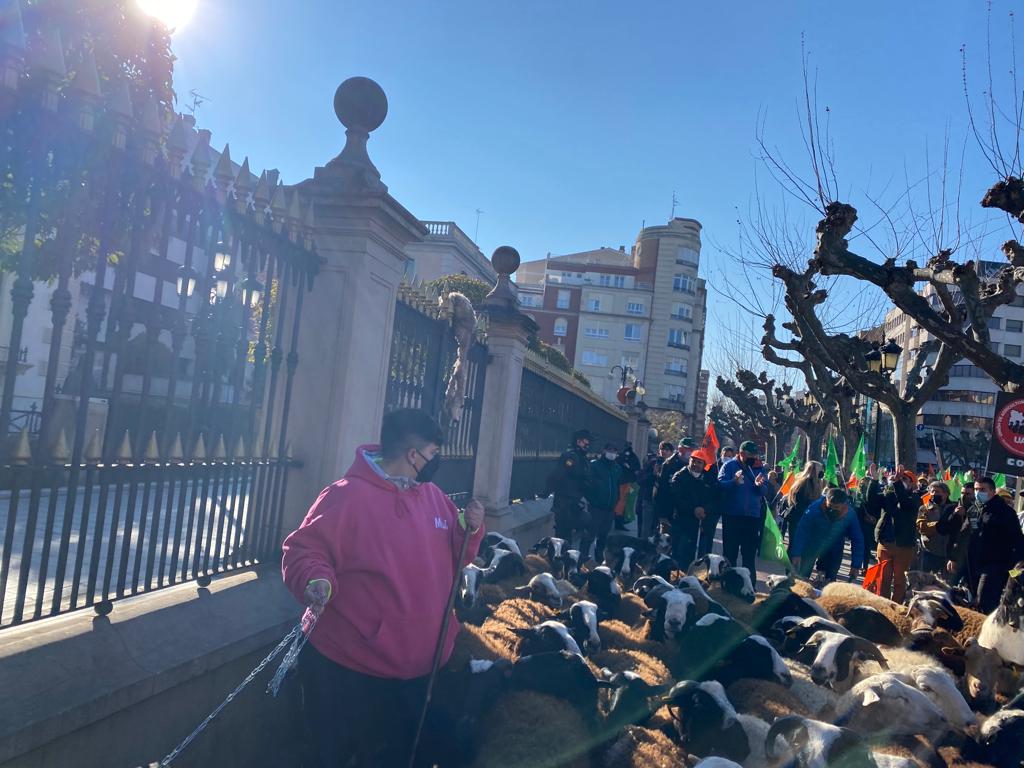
{"x":869,"y":509}
{"x":990,"y":542}
{"x":570,"y":482}
{"x":951,"y":525}
{"x":649,"y":477}
{"x":742,"y":486}
{"x":709,"y":525}
{"x":693,"y":493}
{"x":671,"y":464}
{"x":629,"y":464}
{"x":934,"y":545}
{"x":602,"y":494}
{"x":896,"y":533}
{"x":819,"y":538}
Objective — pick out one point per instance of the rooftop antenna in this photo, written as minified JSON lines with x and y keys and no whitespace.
{"x":675,"y":202}
{"x":197,"y":101}
{"x":476,"y":231}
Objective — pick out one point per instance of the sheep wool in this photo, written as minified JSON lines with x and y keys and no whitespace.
{"x":650,"y":669}
{"x":474,"y":643}
{"x":765,"y":699}
{"x":640,"y":747}
{"x":972,"y":624}
{"x":524,"y":728}
{"x":839,"y":597}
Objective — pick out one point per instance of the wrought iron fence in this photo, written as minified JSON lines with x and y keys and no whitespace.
{"x":549,"y":412}
{"x":423,"y":352}
{"x":160,"y":449}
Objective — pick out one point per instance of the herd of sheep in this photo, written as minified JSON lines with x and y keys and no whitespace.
{"x":637,"y":662}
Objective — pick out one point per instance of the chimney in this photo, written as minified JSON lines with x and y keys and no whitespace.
{"x":622,"y":249}
{"x":205,"y":135}
{"x":190,"y":120}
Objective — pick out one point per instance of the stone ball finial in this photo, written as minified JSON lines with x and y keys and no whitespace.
{"x":361,"y":104}
{"x":505,"y":260}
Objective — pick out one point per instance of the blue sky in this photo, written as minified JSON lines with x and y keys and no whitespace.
{"x":571,"y":123}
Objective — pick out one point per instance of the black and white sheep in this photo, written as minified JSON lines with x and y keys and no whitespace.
{"x":708,"y":725}
{"x":546,"y":637}
{"x":633,"y":701}
{"x":702,"y":600}
{"x":663,"y":565}
{"x":581,"y":619}
{"x":543,"y":589}
{"x":737,"y":582}
{"x":670,"y":609}
{"x":493,"y":541}
{"x":562,"y":674}
{"x":604,"y":589}
{"x":933,"y":608}
{"x":814,"y":744}
{"x":645,"y":584}
{"x":624,"y":563}
{"x":1002,"y":738}
{"x":791,"y":632}
{"x":835,"y":656}
{"x":1003,"y":630}
{"x":710,"y":567}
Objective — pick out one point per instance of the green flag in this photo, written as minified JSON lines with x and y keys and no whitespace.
{"x":831,"y":464}
{"x":772,"y":548}
{"x":792,"y":462}
{"x":859,"y":465}
{"x":1000,"y":480}
{"x":956,"y":487}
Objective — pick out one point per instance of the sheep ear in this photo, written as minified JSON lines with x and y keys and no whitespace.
{"x":521,"y":631}
{"x":870,"y":697}
{"x":650,"y":614}
{"x":523,"y":590}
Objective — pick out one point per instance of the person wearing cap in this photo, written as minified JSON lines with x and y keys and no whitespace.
{"x":650,"y":481}
{"x":743,"y":485}
{"x":570,"y":482}
{"x":896,"y":533}
{"x":663,"y":502}
{"x":693,"y":493}
{"x":602,"y":493}
{"x":820,"y":535}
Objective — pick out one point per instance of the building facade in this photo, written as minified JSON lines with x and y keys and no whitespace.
{"x":446,"y":250}
{"x":642,"y":309}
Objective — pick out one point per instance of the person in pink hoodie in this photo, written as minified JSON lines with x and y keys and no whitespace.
{"x":376,"y":557}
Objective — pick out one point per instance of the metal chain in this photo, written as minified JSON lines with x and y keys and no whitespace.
{"x":296,"y":634}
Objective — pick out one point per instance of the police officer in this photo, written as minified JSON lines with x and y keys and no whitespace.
{"x":570,"y":483}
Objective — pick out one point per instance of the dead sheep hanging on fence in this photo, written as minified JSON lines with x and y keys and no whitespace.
{"x":459,"y":308}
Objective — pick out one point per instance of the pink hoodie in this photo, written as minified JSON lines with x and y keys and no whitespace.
{"x":390,"y":557}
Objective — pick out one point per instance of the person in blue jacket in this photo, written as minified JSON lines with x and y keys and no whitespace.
{"x":743,"y":485}
{"x":819,"y":537}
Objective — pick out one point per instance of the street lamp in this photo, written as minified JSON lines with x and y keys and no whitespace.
{"x":626,"y":372}
{"x":221,"y":287}
{"x":252,"y":292}
{"x":809,"y":399}
{"x":186,"y":283}
{"x":221,"y":257}
{"x":890,"y":356}
{"x":874,"y":360}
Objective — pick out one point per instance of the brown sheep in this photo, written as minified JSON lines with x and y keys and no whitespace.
{"x":765,"y":699}
{"x":615,"y":634}
{"x":972,"y":624}
{"x":631,"y":610}
{"x":802,"y":588}
{"x":839,"y":597}
{"x":536,"y":564}
{"x":524,"y":728}
{"x":650,"y":669}
{"x":474,"y":643}
{"x":643,"y":748}
{"x":513,"y":614}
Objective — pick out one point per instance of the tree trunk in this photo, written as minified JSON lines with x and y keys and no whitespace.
{"x":815,"y":434}
{"x":904,"y":436}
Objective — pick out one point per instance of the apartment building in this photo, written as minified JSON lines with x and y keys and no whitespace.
{"x":641,"y":309}
{"x":446,"y":250}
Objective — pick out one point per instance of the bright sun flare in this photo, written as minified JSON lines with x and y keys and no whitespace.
{"x":174,"y":14}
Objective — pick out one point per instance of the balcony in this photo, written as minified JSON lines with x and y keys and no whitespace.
{"x":686,"y":318}
{"x":675,"y":372}
{"x":678,"y":345}
{"x":674,"y":402}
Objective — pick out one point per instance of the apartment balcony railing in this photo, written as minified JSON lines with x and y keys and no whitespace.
{"x":678,"y":345}
{"x":677,"y":316}
{"x":675,"y":372}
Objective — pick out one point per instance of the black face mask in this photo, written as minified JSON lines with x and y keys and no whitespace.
{"x":750,"y":461}
{"x":427,"y":472}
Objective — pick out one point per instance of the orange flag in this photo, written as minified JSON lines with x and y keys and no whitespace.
{"x":709,"y":447}
{"x":926,"y":498}
{"x":947,"y":475}
{"x":787,"y":484}
{"x":853,"y":482}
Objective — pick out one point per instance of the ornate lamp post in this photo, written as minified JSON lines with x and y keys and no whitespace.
{"x":883,"y":359}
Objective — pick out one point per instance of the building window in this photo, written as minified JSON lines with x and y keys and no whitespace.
{"x":683,"y":283}
{"x":681,"y":311}
{"x":995,"y":323}
{"x":632,"y":332}
{"x":673,"y":393}
{"x":596,"y":333}
{"x":604,"y":280}
{"x":619,"y":281}
{"x":1011,"y":350}
{"x":965,"y":396}
{"x":676,"y":366}
{"x":677,"y":337}
{"x":590,"y":357}
{"x":967,"y":372}
{"x":630,"y":360}
{"x":687,"y":256}
{"x":527,"y":300}
{"x":561,"y":326}
{"x":594,"y":304}
{"x":1014,"y":326}
{"x":634,"y":308}
{"x":563,"y":299}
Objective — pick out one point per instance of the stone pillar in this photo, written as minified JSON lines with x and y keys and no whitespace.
{"x":640,"y":447}
{"x":507,"y":332}
{"x":347,"y":319}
